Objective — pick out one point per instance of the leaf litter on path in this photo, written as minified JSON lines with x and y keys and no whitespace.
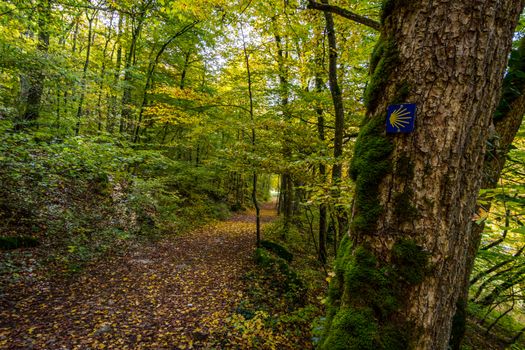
{"x":175,"y":293}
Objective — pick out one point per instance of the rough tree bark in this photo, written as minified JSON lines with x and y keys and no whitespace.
{"x":506,"y":123}
{"x":399,"y":274}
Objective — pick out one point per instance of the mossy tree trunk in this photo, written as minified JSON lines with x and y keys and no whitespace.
{"x":399,"y":274}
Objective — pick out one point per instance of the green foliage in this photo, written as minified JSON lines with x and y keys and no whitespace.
{"x":87,"y":195}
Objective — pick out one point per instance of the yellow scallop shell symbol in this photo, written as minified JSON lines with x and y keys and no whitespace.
{"x":400,"y":118}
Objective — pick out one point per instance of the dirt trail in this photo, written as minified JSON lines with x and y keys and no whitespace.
{"x":171,"y":294}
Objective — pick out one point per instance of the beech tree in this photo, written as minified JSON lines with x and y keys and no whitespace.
{"x":400,"y":270}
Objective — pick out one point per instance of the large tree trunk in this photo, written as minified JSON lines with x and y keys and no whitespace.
{"x":400,"y":273}
{"x":506,"y":121}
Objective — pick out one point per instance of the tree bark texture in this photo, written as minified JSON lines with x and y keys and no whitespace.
{"x":416,"y":193}
{"x":506,"y":121}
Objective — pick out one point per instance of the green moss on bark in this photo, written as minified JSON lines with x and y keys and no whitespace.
{"x":373,"y":292}
{"x":352,"y":329}
{"x":382,"y":63}
{"x":371,"y":160}
{"x":370,"y":164}
{"x":367,"y":293}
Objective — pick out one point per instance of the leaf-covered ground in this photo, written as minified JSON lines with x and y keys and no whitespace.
{"x":176,"y":293}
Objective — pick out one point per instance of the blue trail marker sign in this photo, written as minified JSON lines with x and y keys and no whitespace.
{"x":400,"y":118}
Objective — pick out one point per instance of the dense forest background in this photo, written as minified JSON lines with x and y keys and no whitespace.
{"x":126,"y":121}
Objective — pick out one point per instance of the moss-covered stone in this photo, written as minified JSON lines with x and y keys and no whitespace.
{"x":281,"y":277}
{"x":277,"y":249}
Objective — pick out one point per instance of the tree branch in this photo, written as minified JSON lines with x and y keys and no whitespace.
{"x":344,"y":13}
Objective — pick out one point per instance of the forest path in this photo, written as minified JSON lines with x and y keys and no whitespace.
{"x":171,"y":294}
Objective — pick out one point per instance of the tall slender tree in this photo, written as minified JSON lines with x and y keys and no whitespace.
{"x":32,"y":82}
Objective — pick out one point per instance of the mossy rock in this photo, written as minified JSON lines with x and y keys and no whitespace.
{"x":277,"y":249}
{"x":8,"y":243}
{"x":282,"y":276}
